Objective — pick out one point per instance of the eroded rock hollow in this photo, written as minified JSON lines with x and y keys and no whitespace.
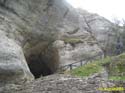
{"x":42,"y":59}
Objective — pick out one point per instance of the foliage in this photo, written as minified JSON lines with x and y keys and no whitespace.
{"x":115,"y":66}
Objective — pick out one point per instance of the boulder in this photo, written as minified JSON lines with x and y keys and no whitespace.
{"x":13,"y":66}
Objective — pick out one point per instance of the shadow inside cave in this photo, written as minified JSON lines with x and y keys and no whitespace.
{"x":42,"y":60}
{"x":38,"y":67}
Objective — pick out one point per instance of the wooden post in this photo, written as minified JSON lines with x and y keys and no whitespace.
{"x":70,"y":66}
{"x":81,"y":63}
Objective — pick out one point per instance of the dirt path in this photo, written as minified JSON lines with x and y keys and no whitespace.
{"x":61,"y":84}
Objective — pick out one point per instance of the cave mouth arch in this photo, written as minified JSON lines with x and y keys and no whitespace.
{"x":42,"y":59}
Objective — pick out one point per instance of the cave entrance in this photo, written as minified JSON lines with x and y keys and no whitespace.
{"x":42,"y":59}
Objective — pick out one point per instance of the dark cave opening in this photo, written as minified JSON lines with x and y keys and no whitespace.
{"x":38,"y":67}
{"x":42,"y":61}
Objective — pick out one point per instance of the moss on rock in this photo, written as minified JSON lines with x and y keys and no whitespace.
{"x":73,"y":40}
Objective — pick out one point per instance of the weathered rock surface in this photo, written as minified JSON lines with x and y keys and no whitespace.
{"x":75,"y":42}
{"x":35,"y":27}
{"x":99,"y":26}
{"x":13,"y":66}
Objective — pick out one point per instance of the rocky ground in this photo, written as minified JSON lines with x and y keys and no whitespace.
{"x":62,"y":84}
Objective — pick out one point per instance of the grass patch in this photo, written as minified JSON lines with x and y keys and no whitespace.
{"x":117,"y":78}
{"x":90,"y":68}
{"x":122,"y":56}
{"x":115,"y":66}
{"x":86,"y":70}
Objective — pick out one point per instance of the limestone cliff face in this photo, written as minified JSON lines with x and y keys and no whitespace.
{"x":41,"y":32}
{"x":99,"y":26}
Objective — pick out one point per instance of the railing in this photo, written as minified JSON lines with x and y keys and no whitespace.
{"x":81,"y":63}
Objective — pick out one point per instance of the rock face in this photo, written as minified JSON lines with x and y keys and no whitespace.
{"x":13,"y":66}
{"x":37,"y":32}
{"x":100,"y":29}
{"x":75,"y":42}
